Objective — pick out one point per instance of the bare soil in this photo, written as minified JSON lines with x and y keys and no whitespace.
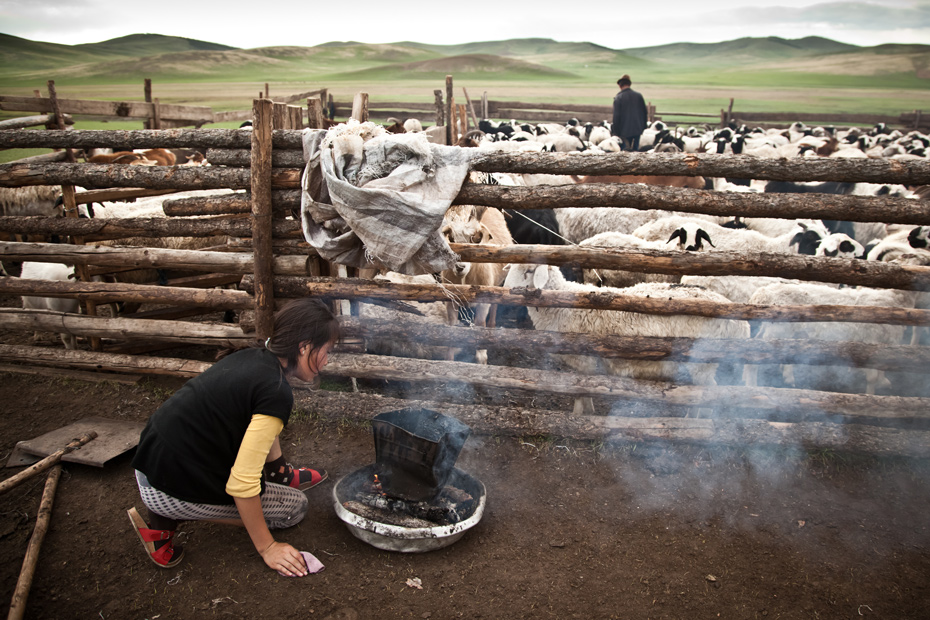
{"x":571,"y":530}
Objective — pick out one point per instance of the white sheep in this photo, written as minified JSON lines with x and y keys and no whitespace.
{"x":819,"y":377}
{"x":619,"y":278}
{"x":805,"y":234}
{"x":577,"y":223}
{"x":30,"y":200}
{"x":603,"y":322}
{"x":55,"y":272}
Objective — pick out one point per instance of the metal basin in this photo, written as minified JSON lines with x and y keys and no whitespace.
{"x":406,"y":539}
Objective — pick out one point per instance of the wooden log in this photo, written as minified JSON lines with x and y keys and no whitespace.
{"x":741,"y":433}
{"x":127,"y":140}
{"x":605,"y":110}
{"x":116,"y":195}
{"x":33,"y":121}
{"x":151,"y":177}
{"x":794,"y":266}
{"x":573,"y":384}
{"x":900,"y":358}
{"x":180,"y":332}
{"x":440,"y":114}
{"x":100,"y":229}
{"x":350,"y":288}
{"x":240,"y":158}
{"x":314,"y":115}
{"x":121,"y":109}
{"x":44,"y":158}
{"x":92,"y":360}
{"x":232,"y":115}
{"x":450,"y":113}
{"x":47,"y":463}
{"x":301,"y":96}
{"x":637,"y":196}
{"x":471,"y":108}
{"x":157,"y":114}
{"x":263,"y":112}
{"x":147,"y":95}
{"x":283,"y":201}
{"x":77,"y":375}
{"x":279,"y":117}
{"x":708,"y":165}
{"x":360,"y":107}
{"x":105,"y":292}
{"x":44,"y":515}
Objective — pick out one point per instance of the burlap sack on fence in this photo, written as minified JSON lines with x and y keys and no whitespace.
{"x":374,"y":199}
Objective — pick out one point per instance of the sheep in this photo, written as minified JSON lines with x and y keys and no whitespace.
{"x":806,"y":234}
{"x":59,"y":273}
{"x":30,"y":200}
{"x":577,"y":224}
{"x":839,"y":245}
{"x":618,"y":278}
{"x":468,"y":224}
{"x":121,"y":157}
{"x":412,"y":125}
{"x":833,"y":378}
{"x":601,"y":322}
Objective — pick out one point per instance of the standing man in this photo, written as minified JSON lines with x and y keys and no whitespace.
{"x":630,"y":115}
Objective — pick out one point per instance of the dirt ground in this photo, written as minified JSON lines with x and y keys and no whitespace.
{"x":571,"y":530}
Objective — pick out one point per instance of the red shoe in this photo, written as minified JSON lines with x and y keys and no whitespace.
{"x":165,"y":555}
{"x":301,"y":478}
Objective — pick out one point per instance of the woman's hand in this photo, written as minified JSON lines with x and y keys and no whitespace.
{"x":285,"y":559}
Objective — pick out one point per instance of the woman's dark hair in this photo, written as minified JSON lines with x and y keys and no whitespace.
{"x":306,"y":320}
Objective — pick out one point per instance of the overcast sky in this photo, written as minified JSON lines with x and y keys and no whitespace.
{"x":613,"y":24}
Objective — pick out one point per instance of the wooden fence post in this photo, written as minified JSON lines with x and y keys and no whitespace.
{"x":360,"y":107}
{"x":262,"y":119}
{"x":450,"y":112}
{"x":463,"y":118}
{"x":297,"y":116}
{"x":484,"y":105}
{"x":267,"y":95}
{"x":331,"y":106}
{"x":279,"y":115}
{"x":69,"y":202}
{"x":324,"y":98}
{"x":314,"y":113}
{"x":730,"y":111}
{"x":437,"y":97}
{"x":147,"y":90}
{"x":156,"y":114}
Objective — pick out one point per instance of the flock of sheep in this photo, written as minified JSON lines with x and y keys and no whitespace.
{"x":634,"y":228}
{"x":653,"y":229}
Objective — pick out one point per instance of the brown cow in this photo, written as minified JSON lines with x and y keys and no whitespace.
{"x":666,"y":181}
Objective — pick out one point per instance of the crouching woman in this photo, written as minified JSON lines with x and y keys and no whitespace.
{"x":211,"y":451}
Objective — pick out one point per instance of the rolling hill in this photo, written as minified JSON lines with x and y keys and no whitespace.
{"x":752,"y":60}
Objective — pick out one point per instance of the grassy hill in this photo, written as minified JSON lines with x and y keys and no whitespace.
{"x":488,"y":65}
{"x":740,"y":51}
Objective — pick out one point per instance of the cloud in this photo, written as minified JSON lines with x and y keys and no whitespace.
{"x":839,"y":15}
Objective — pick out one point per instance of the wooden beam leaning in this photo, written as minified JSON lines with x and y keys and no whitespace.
{"x":241,"y":158}
{"x":727,"y":204}
{"x":91,"y":360}
{"x":352,"y":288}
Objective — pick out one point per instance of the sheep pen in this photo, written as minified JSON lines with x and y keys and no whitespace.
{"x":627,"y":472}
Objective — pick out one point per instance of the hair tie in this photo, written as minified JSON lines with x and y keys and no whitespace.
{"x":267,"y":340}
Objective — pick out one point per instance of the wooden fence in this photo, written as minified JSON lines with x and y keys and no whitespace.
{"x":272,"y":263}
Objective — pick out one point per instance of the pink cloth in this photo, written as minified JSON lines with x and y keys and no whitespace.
{"x":313,"y":564}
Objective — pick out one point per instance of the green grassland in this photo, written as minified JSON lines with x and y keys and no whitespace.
{"x":761,"y":74}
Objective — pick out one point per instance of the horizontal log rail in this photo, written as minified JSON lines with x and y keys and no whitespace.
{"x":676,"y":164}
{"x":738,"y":432}
{"x":100,"y":229}
{"x":566,"y":383}
{"x":149,"y":177}
{"x":282,"y":201}
{"x":32,"y":121}
{"x":181,"y":332}
{"x":242,"y":158}
{"x":106,"y":292}
{"x":874,"y":274}
{"x":810,"y":268}
{"x":574,"y":384}
{"x":121,"y":109}
{"x":127,"y":140}
{"x":152,"y":258}
{"x":902,"y":358}
{"x":707,"y":165}
{"x":354,"y":288}
{"x":727,"y":204}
